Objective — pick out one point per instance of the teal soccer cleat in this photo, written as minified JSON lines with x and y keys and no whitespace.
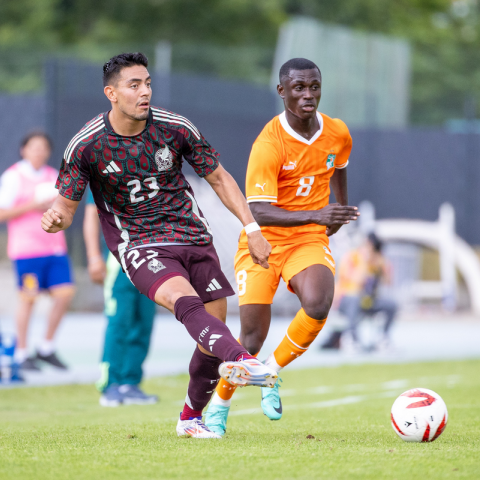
{"x":272,"y":403}
{"x":216,"y":418}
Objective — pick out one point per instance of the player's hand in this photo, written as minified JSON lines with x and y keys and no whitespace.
{"x":97,"y":270}
{"x":259,"y":248}
{"x":332,"y":229}
{"x":334,"y":214}
{"x":53,"y":221}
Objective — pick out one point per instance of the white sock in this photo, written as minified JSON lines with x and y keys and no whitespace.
{"x":218,"y":400}
{"x":47,"y":347}
{"x":272,"y":363}
{"x":20,"y":354}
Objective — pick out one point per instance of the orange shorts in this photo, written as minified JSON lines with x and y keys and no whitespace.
{"x":258,"y":285}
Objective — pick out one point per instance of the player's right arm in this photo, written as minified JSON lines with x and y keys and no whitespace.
{"x":60,"y":216}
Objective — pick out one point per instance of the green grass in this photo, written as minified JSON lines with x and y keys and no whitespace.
{"x":62,"y":432}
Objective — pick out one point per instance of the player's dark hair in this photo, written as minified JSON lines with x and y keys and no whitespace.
{"x":114,"y":66}
{"x":33,"y":134}
{"x":377,"y":244}
{"x":296,"y":64}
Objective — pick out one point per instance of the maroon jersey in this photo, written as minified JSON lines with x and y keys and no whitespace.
{"x":137,"y":182}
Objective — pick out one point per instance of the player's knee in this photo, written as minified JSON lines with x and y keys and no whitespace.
{"x":317,"y":310}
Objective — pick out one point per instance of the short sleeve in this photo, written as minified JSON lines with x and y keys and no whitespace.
{"x":262,"y":173}
{"x":9,"y":187}
{"x":199,"y":153}
{"x":341,"y":161}
{"x":74,"y":175}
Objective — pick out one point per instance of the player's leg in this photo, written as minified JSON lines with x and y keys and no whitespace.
{"x":204,"y":377}
{"x":28,"y":284}
{"x":119,"y":296}
{"x":57,"y":279}
{"x":139,"y":331}
{"x":256,"y":288}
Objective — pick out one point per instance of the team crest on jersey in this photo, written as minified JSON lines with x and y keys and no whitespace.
{"x":155,"y":265}
{"x":164,"y":159}
{"x":330,"y":161}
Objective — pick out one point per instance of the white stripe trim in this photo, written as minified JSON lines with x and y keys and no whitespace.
{"x":81,"y":134}
{"x":262,"y":196}
{"x":219,"y":287}
{"x":298,"y":346}
{"x":158,"y":112}
{"x":286,"y":126}
{"x":82,"y":131}
{"x":178,"y":121}
{"x":343,"y":166}
{"x":72,"y":149}
{"x":196,"y":211}
{"x":252,"y":200}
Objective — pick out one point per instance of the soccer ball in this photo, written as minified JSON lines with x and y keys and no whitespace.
{"x":419,"y":415}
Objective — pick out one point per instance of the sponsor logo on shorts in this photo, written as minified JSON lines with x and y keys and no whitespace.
{"x":213,"y":338}
{"x":330,"y":262}
{"x":214,"y":285}
{"x":155,"y":265}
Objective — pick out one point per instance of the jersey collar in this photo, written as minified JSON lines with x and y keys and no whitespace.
{"x":111,"y":130}
{"x":286,"y":126}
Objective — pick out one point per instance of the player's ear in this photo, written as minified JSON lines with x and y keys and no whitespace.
{"x":110,"y":93}
{"x":281,"y":90}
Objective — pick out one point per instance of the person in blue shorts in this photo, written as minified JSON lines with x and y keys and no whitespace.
{"x":39,"y":259}
{"x":130,"y":321}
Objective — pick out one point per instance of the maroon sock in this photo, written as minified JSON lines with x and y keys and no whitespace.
{"x":207,"y":330}
{"x":188,"y":413}
{"x":244,"y":356}
{"x":204,"y":377}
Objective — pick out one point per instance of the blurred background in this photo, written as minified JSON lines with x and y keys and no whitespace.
{"x":403,"y":75}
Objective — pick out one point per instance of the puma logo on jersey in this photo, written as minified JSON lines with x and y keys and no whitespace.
{"x":261,"y":186}
{"x":112,"y":167}
{"x":290,"y":166}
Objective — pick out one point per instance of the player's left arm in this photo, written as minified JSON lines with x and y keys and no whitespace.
{"x":60,"y":215}
{"x":231,"y":196}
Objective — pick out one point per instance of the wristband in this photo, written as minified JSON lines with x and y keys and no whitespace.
{"x":252,"y":227}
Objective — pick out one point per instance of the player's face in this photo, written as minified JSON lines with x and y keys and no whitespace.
{"x":132,"y":92}
{"x":301,"y":92}
{"x":37,"y":152}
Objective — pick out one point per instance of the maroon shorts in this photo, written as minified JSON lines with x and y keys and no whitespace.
{"x":149,"y":267}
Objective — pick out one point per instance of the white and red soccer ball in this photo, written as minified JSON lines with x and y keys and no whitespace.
{"x":419,"y":415}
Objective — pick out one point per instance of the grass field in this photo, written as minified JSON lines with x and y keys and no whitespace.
{"x":62,"y":433}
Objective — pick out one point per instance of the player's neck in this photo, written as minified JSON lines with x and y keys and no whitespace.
{"x":306,"y":127}
{"x":126,"y":126}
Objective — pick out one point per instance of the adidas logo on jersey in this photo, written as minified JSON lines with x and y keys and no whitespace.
{"x":213,"y":338}
{"x":112,"y":167}
{"x":214,"y":285}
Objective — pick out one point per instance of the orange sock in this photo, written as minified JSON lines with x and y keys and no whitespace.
{"x":300,"y":334}
{"x":224,"y":390}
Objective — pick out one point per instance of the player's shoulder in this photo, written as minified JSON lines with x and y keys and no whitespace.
{"x":87,"y":135}
{"x":335,"y":126}
{"x":171,"y":120}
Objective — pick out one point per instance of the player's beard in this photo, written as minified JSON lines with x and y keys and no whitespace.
{"x":139,"y":117}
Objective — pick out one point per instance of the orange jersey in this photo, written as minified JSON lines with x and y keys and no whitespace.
{"x":294,"y":173}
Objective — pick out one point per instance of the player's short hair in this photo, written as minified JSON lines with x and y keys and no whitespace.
{"x":296,"y":64}
{"x":34,"y":134}
{"x":376,"y":243}
{"x":114,"y":66}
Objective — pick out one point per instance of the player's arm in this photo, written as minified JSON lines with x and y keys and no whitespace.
{"x":60,"y":215}
{"x":231,"y":196}
{"x":91,"y":234}
{"x":268,"y":215}
{"x":338,"y":184}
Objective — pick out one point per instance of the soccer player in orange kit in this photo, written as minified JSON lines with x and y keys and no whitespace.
{"x":295,"y":160}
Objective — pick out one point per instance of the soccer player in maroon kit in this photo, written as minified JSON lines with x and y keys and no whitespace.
{"x":132,"y":157}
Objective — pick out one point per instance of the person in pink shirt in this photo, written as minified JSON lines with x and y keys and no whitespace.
{"x":41,"y":262}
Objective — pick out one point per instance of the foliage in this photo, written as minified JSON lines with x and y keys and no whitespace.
{"x":445,"y":35}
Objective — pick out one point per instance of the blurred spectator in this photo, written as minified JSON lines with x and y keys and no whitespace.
{"x":130,"y":318}
{"x":41,"y":262}
{"x":360,"y":274}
